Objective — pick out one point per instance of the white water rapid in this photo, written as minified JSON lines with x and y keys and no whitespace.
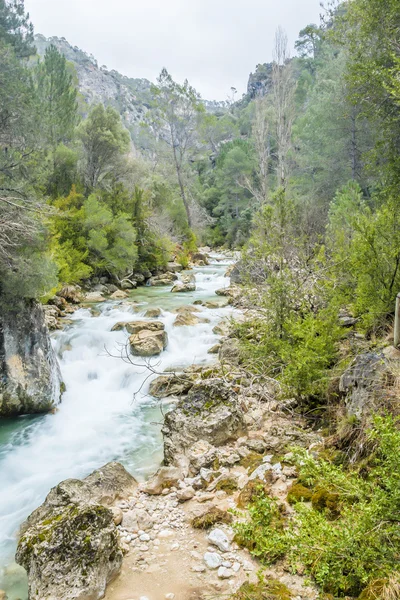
{"x":102,"y":417}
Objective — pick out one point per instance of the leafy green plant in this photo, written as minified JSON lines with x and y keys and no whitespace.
{"x":361,"y":544}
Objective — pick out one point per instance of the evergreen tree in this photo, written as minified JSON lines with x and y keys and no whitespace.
{"x":56,"y":97}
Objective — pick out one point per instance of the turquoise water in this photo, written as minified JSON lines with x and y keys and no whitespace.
{"x":106,"y":413}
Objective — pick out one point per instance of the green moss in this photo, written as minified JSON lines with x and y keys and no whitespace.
{"x":299,"y":493}
{"x":323,"y":499}
{"x":251,"y":461}
{"x":264,"y":590}
{"x":251,"y":492}
{"x":211,"y":517}
{"x":228,"y":485}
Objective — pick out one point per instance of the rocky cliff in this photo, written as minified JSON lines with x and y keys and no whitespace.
{"x":130,"y":97}
{"x":30,"y":379}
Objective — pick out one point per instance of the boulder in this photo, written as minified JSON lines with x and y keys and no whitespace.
{"x":150,"y":341}
{"x":174,"y":267}
{"x":188,"y":278}
{"x":135,"y":327}
{"x":166,"y":477}
{"x":103,"y":486}
{"x":200,"y":257}
{"x":174,"y":384}
{"x":188,"y":318}
{"x":215,"y":304}
{"x":214,"y":349}
{"x":236,"y":274}
{"x":211,"y":412}
{"x":163,"y":279}
{"x":364,"y":382}
{"x":219,"y":539}
{"x":71,"y":293}
{"x":94,"y":297}
{"x":139,"y":277}
{"x":187,"y":308}
{"x":183,"y":287}
{"x":229,"y":352}
{"x":222,"y":328}
{"x":152,"y":313}
{"x":73,"y":555}
{"x":69,"y":545}
{"x":185,"y":494}
{"x":128,"y":284}
{"x":30,"y":380}
{"x":231,"y":292}
{"x":119,"y":295}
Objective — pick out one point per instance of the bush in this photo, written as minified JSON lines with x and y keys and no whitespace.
{"x":362,"y":544}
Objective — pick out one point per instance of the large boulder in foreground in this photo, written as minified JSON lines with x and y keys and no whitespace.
{"x":73,"y":555}
{"x":211,"y":412}
{"x":148,"y":338}
{"x":69,"y":545}
{"x":30,"y":378}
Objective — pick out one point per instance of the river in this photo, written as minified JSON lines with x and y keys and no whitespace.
{"x":106,"y":413}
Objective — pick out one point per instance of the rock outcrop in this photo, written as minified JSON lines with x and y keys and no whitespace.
{"x":364,"y":383}
{"x":70,"y":545}
{"x":30,"y":378}
{"x":211,"y":412}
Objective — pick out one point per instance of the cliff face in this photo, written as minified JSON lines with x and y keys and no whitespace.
{"x":260,"y":81}
{"x":30,"y":378}
{"x":130,"y":97}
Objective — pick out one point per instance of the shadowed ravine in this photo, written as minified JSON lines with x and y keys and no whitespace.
{"x":102,"y":417}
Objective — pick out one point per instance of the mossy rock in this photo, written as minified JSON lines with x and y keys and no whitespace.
{"x":264,"y":590}
{"x":211,"y":517}
{"x":251,"y":492}
{"x":251,"y":461}
{"x":228,"y":485}
{"x":323,"y":499}
{"x":299,"y":493}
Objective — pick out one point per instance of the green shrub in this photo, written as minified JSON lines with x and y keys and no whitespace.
{"x":362,"y":544}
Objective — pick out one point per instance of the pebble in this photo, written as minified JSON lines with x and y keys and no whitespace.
{"x":212,"y":560}
{"x":227,"y":564}
{"x":169,"y":596}
{"x":236,"y":567}
{"x":218,"y":538}
{"x":166,"y":533}
{"x":144,"y":537}
{"x":198,"y":568}
{"x":225,"y":573}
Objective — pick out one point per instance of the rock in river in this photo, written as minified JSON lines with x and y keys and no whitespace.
{"x":148,"y":338}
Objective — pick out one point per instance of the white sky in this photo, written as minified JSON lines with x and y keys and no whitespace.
{"x":213,"y":43}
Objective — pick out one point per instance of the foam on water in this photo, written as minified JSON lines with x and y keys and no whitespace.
{"x":106,"y":413}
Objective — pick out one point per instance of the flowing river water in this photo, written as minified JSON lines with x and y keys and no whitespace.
{"x":106,"y":413}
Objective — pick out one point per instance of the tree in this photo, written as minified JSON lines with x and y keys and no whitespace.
{"x":15,"y":27}
{"x":104,"y":141}
{"x":177,"y":110}
{"x":283,"y":94}
{"x":57,"y":99}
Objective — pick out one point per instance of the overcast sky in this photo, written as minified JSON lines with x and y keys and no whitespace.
{"x":213,"y":43}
